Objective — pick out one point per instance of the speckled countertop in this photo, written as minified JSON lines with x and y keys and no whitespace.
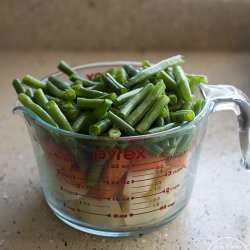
{"x":220,"y":203}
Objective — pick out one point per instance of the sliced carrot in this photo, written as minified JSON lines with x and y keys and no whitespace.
{"x":75,"y":177}
{"x":107,"y":190}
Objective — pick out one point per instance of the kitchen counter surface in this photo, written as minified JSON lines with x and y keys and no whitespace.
{"x":220,"y":203}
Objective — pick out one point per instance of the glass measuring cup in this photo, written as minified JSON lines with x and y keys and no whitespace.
{"x":129,"y":185}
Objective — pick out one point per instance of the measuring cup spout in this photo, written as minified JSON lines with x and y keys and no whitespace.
{"x":227,"y":97}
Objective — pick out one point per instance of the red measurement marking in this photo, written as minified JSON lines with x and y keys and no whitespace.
{"x":149,"y":162}
{"x":137,"y":197}
{"x":142,"y":175}
{"x":142,"y":186}
{"x":148,"y":178}
{"x":140,"y":208}
{"x":137,"y":203}
{"x":144,"y":169}
{"x":82,"y":211}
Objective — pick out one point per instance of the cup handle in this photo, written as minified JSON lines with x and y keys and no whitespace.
{"x":227,"y":97}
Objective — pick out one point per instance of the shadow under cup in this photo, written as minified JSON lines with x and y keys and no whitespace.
{"x":124,"y":186}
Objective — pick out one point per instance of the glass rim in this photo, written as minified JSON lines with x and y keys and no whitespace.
{"x":47,"y":126}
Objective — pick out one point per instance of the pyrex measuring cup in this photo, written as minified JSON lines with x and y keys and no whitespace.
{"x":128,"y":185}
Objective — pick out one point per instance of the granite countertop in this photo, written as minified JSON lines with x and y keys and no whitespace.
{"x":220,"y":203}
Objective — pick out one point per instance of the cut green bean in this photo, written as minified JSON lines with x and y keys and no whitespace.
{"x":40,"y":98}
{"x":87,"y":93}
{"x":132,"y":103}
{"x":136,"y":116}
{"x":114,"y":132}
{"x":33,"y":82}
{"x":58,"y":83}
{"x":164,"y":113}
{"x":70,"y":110}
{"x":195,"y":80}
{"x":26,"y":101}
{"x":100,"y":86}
{"x":88,"y":103}
{"x":58,"y":116}
{"x":152,"y":114}
{"x":146,"y":73}
{"x":161,"y":129}
{"x":122,"y":125}
{"x":188,"y":105}
{"x":121,"y":76}
{"x":29,"y":92}
{"x":101,"y":110}
{"x":183,"y":84}
{"x":155,"y":149}
{"x":100,"y":127}
{"x":198,"y":105}
{"x":65,"y":68}
{"x":182,"y":116}
{"x":131,"y":70}
{"x":18,"y":86}
{"x":85,"y":82}
{"x":168,"y":80}
{"x":80,"y":121}
{"x":110,"y":96}
{"x":160,"y":121}
{"x":68,"y":94}
{"x":125,"y":97}
{"x":146,"y":64}
{"x":142,"y":84}
{"x":173,"y":99}
{"x":111,"y":83}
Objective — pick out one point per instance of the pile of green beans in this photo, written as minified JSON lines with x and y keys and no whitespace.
{"x":123,"y":101}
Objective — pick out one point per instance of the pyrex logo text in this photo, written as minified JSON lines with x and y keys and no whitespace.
{"x":127,"y":154}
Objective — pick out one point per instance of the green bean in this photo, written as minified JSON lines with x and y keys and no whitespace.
{"x":111,"y":71}
{"x":65,"y":68}
{"x":110,"y":96}
{"x":195,"y":80}
{"x":169,"y":71}
{"x":70,"y":110}
{"x":183,"y":84}
{"x":152,"y":114}
{"x":177,"y":106}
{"x":80,"y":121}
{"x":121,"y":75}
{"x":182,"y":116}
{"x":99,"y":86}
{"x":58,"y":83}
{"x":101,"y":110}
{"x":111,"y":83}
{"x":160,"y":121}
{"x":131,"y":71}
{"x":185,"y":143}
{"x":85,"y":82}
{"x":161,"y":129}
{"x":168,"y":80}
{"x":198,"y":105}
{"x":99,"y":127}
{"x":40,"y":98}
{"x":114,"y":132}
{"x":125,"y":97}
{"x":164,"y":113}
{"x":87,"y":93}
{"x":88,"y":103}
{"x":167,"y":118}
{"x":18,"y":86}
{"x":33,"y":82}
{"x":132,"y":103}
{"x":173,"y":99}
{"x":136,"y":116}
{"x":122,"y":125}
{"x":155,"y":149}
{"x":68,"y":94}
{"x":145,"y":64}
{"x":29,"y":92}
{"x":26,"y":101}
{"x":146,"y":73}
{"x":142,"y":84}
{"x":58,"y":116}
{"x":188,"y":105}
